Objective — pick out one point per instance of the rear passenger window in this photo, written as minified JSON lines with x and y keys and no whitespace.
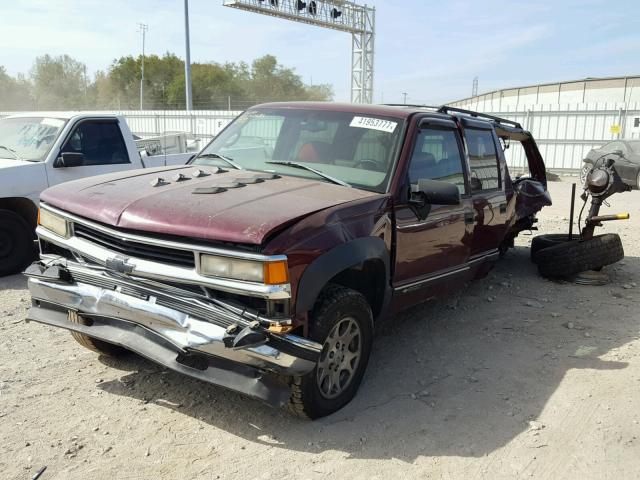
{"x":483,"y":160}
{"x":437,"y":157}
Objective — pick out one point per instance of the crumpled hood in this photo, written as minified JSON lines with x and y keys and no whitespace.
{"x":244,"y":214}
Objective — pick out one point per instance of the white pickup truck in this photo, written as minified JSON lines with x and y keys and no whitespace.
{"x":42,"y":149}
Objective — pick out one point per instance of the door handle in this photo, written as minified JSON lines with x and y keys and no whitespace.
{"x":503,"y":208}
{"x":469,"y":218}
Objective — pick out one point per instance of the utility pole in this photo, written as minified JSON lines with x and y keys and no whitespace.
{"x":404,"y":101}
{"x":187,"y":60}
{"x":142,"y":27}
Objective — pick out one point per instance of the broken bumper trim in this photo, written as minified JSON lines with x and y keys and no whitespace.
{"x":164,"y":334}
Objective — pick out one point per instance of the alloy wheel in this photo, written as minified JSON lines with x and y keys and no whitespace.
{"x":339,"y":359}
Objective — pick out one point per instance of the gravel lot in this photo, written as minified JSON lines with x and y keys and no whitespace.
{"x":514,"y":377}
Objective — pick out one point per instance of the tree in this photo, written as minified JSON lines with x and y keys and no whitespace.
{"x":15,"y":93}
{"x":59,"y":82}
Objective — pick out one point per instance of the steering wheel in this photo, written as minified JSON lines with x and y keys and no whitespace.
{"x":369,"y":164}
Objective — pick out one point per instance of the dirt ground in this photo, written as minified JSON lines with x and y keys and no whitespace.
{"x":514,"y":377}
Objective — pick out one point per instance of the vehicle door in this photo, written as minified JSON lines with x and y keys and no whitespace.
{"x":487,"y":189}
{"x":432,"y":250}
{"x":96,"y":147}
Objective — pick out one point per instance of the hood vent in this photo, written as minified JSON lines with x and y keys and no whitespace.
{"x":158,"y":182}
{"x":209,"y":190}
{"x":228,"y":184}
{"x":180,"y":177}
{"x":218,"y":187}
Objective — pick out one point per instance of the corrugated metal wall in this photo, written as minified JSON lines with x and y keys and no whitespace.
{"x":567,"y":118}
{"x":566,"y":133}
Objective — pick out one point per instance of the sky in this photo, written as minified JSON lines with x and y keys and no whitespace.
{"x":429,"y":49}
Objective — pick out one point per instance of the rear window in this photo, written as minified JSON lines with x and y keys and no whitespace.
{"x":483,"y":160}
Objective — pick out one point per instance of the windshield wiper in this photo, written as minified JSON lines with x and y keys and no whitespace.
{"x":225,"y":159}
{"x":311,"y":169}
{"x":12,"y":152}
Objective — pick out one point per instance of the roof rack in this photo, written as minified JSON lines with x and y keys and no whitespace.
{"x":409,"y":105}
{"x":447,"y":109}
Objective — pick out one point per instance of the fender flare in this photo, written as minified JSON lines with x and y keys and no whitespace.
{"x":340,"y":258}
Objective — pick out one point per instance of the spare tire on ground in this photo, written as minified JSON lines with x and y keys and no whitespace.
{"x":568,"y":258}
{"x":545,"y":241}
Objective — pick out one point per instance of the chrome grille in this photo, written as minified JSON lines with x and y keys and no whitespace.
{"x":172,"y":256}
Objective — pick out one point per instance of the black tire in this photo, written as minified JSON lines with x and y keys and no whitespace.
{"x":577,"y":256}
{"x":93,"y":344}
{"x":16,"y":243}
{"x":545,"y":241}
{"x":334,"y":305}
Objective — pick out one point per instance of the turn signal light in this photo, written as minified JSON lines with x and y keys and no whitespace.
{"x":276,"y":273}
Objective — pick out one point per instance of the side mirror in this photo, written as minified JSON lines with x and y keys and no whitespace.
{"x":435,"y":192}
{"x":69,"y":159}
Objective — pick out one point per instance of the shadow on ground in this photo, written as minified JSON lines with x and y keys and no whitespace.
{"x":460,"y":376}
{"x":13,"y":282}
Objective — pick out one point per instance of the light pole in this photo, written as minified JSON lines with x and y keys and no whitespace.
{"x":404,"y":95}
{"x":187,"y":60}
{"x":142,"y":27}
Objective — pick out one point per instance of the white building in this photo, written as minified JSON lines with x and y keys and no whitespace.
{"x":567,"y":118}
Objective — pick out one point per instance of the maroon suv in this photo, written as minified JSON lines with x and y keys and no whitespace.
{"x":264,"y":264}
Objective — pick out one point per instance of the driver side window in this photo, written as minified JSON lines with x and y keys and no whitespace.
{"x":437,"y":156}
{"x":100,"y":142}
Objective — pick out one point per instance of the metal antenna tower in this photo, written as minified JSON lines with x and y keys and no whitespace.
{"x":142,"y":28}
{"x":346,"y":16}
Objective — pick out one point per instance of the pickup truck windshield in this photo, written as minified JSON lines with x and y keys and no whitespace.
{"x":359,"y":150}
{"x":28,"y":138}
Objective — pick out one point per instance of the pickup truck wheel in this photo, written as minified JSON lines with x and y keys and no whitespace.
{"x":577,"y":256}
{"x":16,"y":243}
{"x":93,"y":344}
{"x":545,"y":241}
{"x":343,"y":323}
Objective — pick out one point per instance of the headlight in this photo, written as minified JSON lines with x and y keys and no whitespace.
{"x":54,"y":223}
{"x":270,"y":273}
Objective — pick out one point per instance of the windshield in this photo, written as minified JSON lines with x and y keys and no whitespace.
{"x":28,"y":138}
{"x":343,"y":147}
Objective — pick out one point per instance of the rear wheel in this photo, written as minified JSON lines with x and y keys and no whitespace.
{"x":93,"y":344}
{"x":16,"y":243}
{"x":569,"y":258}
{"x":343,"y":323}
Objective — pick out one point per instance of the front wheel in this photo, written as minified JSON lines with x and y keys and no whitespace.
{"x":16,"y":243}
{"x":93,"y":344}
{"x":343,"y":323}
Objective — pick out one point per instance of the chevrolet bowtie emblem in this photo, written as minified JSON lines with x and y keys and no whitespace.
{"x":119,"y":264}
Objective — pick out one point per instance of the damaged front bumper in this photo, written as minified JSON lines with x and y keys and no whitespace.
{"x":202,"y":338}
